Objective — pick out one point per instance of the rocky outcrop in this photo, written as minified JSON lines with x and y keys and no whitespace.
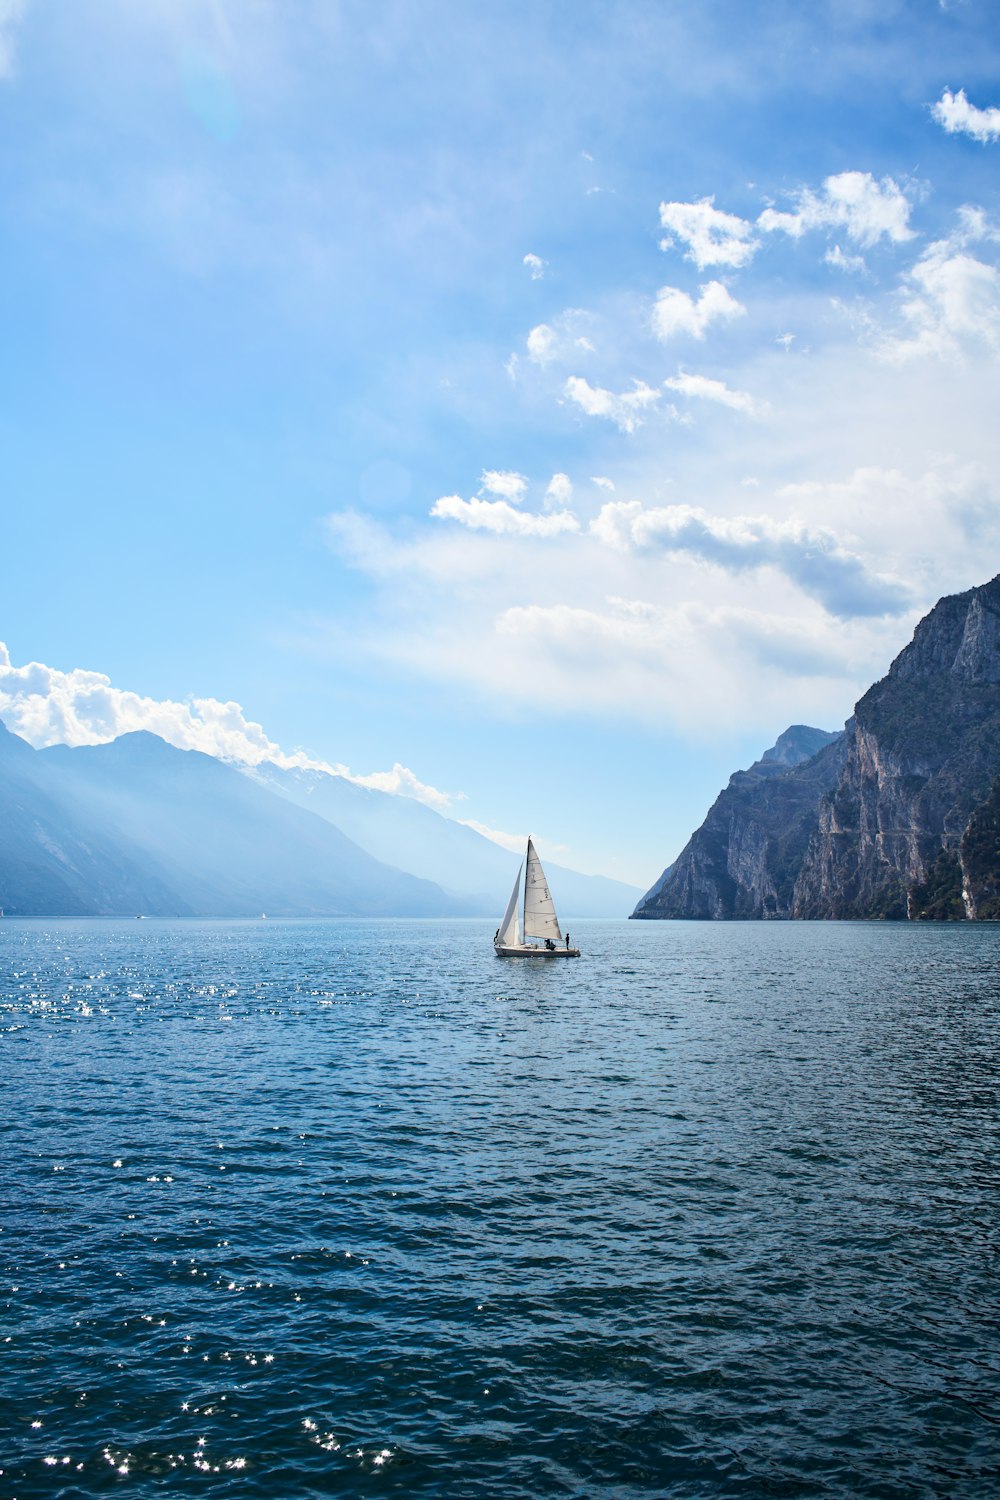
{"x":743,"y":860}
{"x":922,"y":753}
{"x":898,"y":817}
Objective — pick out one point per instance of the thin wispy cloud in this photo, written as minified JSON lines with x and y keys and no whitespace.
{"x":512,"y":842}
{"x":11,"y":12}
{"x":704,"y":388}
{"x":842,"y":260}
{"x":536,"y":265}
{"x":958,"y":117}
{"x":559,"y":493}
{"x":563,"y":339}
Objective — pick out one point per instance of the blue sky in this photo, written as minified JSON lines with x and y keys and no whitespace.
{"x":535,"y":408}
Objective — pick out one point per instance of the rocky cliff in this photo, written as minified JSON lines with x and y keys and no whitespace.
{"x":898,"y":817}
{"x":745,"y":857}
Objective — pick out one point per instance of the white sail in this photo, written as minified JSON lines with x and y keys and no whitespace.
{"x":509,"y":934}
{"x":540,"y":920}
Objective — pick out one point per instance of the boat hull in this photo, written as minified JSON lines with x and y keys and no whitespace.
{"x":526,"y":950}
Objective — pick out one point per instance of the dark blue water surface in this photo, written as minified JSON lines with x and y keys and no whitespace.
{"x":303,"y":1209}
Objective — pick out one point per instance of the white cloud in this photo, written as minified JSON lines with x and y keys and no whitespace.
{"x":852,"y":264}
{"x":541,"y":343}
{"x":813,"y":559}
{"x":46,"y":706}
{"x":626,"y":410}
{"x":712,"y":237}
{"x":499,"y":517}
{"x":951,"y":302}
{"x":676,"y":312}
{"x":535,"y":265}
{"x":689,"y":615}
{"x":506,"y":483}
{"x":559,"y":495}
{"x":706,"y":389}
{"x":562,"y":340}
{"x":602,"y":481}
{"x":401,"y":782}
{"x":694,"y":665}
{"x":958,"y":116}
{"x":513,"y":842}
{"x":11,"y":12}
{"x":853,"y":201}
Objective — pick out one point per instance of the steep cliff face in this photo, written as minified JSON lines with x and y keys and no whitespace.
{"x":743,"y":860}
{"x":921,"y":755}
{"x":897,"y":817}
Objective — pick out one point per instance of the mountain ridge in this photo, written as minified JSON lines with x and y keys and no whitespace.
{"x":895,"y":818}
{"x":137,"y":825}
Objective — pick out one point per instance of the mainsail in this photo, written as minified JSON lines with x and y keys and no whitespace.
{"x":509,"y":933}
{"x":540,"y":920}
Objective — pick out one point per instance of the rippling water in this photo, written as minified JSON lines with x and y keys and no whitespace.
{"x":307,"y":1209}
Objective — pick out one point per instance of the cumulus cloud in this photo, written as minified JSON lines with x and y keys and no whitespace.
{"x":813,"y":560}
{"x":46,"y":706}
{"x":675,"y":312}
{"x":626,"y":409}
{"x":951,"y":302}
{"x":401,"y":782}
{"x":712,"y":237}
{"x":499,"y":517}
{"x":865,"y":209}
{"x":704,"y":388}
{"x":602,"y":481}
{"x":959,"y":117}
{"x":11,"y":12}
{"x":506,"y":483}
{"x":535,"y":265}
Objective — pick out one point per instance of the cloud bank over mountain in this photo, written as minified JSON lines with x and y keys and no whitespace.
{"x":46,"y":706}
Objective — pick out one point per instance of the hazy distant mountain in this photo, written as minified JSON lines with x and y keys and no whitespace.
{"x":137,"y":826}
{"x":57,"y":860}
{"x":417,"y":839}
{"x":223,"y":845}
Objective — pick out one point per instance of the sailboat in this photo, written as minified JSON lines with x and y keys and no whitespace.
{"x":540,"y":920}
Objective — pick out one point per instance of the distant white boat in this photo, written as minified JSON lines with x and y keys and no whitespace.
{"x":540,"y":920}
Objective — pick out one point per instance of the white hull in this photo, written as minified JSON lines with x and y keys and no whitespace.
{"x":527,"y":950}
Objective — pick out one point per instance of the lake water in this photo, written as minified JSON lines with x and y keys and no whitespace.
{"x":305,"y":1209}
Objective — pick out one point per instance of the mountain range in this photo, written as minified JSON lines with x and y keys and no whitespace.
{"x":896,"y":816}
{"x":139,"y":827}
